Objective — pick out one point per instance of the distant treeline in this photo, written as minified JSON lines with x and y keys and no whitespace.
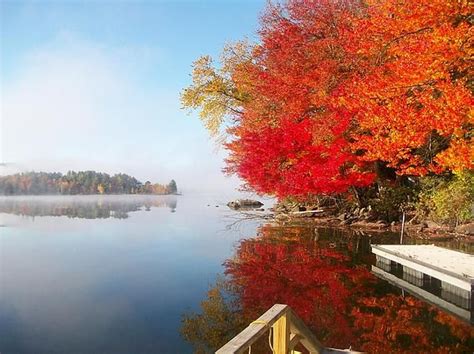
{"x":82,"y":182}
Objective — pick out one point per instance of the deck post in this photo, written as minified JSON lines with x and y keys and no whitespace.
{"x":281,"y":335}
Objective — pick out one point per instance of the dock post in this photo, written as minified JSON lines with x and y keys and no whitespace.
{"x":281,"y":335}
{"x":403,"y":228}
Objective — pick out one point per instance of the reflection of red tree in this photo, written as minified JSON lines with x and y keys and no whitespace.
{"x":317,"y":283}
{"x":342,"y":303}
{"x":463,"y":332}
{"x":400,"y":324}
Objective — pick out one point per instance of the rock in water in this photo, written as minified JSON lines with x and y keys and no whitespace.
{"x":244,"y":204}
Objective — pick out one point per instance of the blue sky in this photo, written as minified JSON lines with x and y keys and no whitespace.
{"x":95,"y":85}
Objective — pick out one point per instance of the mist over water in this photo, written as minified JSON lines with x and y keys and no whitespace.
{"x":85,"y":206}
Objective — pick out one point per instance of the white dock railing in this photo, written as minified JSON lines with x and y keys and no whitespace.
{"x":288,"y":331}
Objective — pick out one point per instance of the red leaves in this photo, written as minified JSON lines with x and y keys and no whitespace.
{"x":398,"y":324}
{"x":316,"y":282}
{"x":291,"y":160}
{"x":341,"y":301}
{"x":336,"y":86}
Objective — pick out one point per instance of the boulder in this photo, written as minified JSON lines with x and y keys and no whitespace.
{"x":244,"y":204}
{"x":282,"y":217}
{"x":432,"y":225}
{"x":466,"y":229}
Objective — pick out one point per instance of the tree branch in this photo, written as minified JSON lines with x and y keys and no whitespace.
{"x":385,"y":48}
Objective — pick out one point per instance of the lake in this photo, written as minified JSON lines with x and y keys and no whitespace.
{"x":128,"y":274}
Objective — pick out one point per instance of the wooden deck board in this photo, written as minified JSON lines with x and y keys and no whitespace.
{"x":453,"y":267}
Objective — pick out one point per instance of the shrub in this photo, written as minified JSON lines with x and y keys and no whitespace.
{"x":448,"y":200}
{"x":392,"y":199}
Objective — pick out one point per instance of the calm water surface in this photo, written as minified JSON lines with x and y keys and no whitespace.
{"x":118,"y":274}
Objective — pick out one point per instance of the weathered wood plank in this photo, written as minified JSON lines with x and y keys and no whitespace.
{"x":306,"y":212}
{"x":249,"y":335}
{"x":294,"y":340}
{"x":308,"y":339}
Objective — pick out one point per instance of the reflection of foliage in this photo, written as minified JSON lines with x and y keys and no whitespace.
{"x":404,"y":324}
{"x":219,"y":322}
{"x":317,"y":283}
{"x":462,"y":334}
{"x":104,"y":207}
{"x":320,"y":276}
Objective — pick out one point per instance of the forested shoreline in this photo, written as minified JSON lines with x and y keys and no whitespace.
{"x":79,"y":183}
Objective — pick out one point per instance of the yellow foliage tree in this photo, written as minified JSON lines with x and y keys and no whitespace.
{"x":213,"y":90}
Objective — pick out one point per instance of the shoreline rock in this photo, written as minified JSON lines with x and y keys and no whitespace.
{"x":465,"y":229}
{"x":364,"y":220}
{"x":244,"y":204}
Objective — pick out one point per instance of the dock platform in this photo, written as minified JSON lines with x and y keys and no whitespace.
{"x":446,"y":273}
{"x":450,"y":267}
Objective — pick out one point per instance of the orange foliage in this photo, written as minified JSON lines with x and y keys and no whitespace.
{"x":336,"y":86}
{"x":413,"y":94}
{"x":290,"y":138}
{"x":398,"y":324}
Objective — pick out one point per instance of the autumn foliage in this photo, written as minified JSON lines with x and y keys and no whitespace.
{"x":329,"y":285}
{"x":413,"y":96}
{"x":334,"y":88}
{"x":318,"y":283}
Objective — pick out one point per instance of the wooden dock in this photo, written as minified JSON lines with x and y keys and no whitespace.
{"x":428,"y":267}
{"x":452,"y":268}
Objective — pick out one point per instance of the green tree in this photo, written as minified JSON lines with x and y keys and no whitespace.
{"x":172,"y":187}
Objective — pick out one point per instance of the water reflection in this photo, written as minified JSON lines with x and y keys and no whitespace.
{"x":74,"y":285}
{"x":85,"y":207}
{"x":325,"y":276}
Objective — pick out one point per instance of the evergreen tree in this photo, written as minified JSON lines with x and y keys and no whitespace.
{"x":172,"y":187}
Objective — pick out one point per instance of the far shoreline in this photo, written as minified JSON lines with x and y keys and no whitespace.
{"x":88,"y":195}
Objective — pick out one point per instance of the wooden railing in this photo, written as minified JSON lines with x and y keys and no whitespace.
{"x":288,"y":331}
